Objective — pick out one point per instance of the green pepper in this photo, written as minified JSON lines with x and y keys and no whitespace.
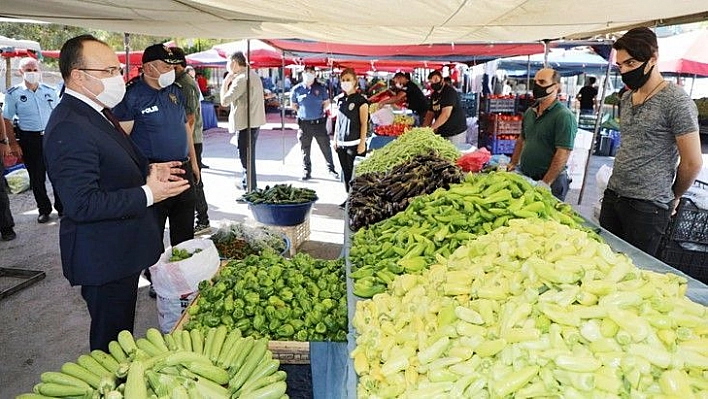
{"x":250,"y":310}
{"x":259,"y":321}
{"x":320,"y":328}
{"x":238,"y":314}
{"x":301,"y":336}
{"x":276,"y":301}
{"x":270,"y":312}
{"x":283,"y":313}
{"x":229,"y":303}
{"x":243,"y":324}
{"x":327,"y":304}
{"x":252,"y":298}
{"x":297,"y":324}
{"x":286,"y":330}
{"x":213,"y":321}
{"x":286,"y":294}
{"x":274,"y":324}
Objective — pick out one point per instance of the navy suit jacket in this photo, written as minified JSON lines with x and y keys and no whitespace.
{"x":107,"y":232}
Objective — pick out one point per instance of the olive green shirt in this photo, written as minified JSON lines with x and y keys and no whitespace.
{"x":554,"y":128}
{"x":192,"y":105}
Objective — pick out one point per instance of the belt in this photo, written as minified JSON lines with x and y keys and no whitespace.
{"x":658,"y":204}
{"x":184,"y":162}
{"x":31,"y":131}
{"x":313,"y":121}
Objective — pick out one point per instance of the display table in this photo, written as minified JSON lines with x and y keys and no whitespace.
{"x":209,"y":115}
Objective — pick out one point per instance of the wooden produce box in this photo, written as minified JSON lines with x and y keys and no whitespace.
{"x":288,"y":352}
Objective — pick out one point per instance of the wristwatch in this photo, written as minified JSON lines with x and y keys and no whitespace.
{"x":4,"y":141}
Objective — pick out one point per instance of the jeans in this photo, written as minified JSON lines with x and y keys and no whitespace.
{"x":639,"y":222}
{"x":180,"y":211}
{"x":6,"y":221}
{"x":243,"y":151}
{"x":200,"y":200}
{"x":309,"y":130}
{"x":33,"y":156}
{"x":560,"y":186}
{"x":346,"y":159}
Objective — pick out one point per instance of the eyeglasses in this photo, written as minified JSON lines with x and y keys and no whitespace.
{"x":110,"y":70}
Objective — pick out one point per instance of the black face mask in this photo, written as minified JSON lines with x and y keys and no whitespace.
{"x":636,"y":78}
{"x":436,"y":86}
{"x":539,"y":92}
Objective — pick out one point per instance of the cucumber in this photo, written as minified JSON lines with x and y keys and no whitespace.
{"x":63,"y":379}
{"x":155,"y":337}
{"x":127,"y":342}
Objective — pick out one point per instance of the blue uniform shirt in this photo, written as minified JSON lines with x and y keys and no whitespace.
{"x":309,"y":100}
{"x":159,"y":120}
{"x":31,"y":108}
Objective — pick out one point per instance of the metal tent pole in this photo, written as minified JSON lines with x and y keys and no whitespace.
{"x":596,"y":131}
{"x":282,"y":104}
{"x":528,"y":73}
{"x":693,"y":83}
{"x":126,"y":46}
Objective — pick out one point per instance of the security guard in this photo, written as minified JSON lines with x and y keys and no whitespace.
{"x":27,"y":108}
{"x":309,"y":99}
{"x":153,"y":113}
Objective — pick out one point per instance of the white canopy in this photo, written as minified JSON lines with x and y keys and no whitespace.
{"x":362,"y":21}
{"x":6,"y":42}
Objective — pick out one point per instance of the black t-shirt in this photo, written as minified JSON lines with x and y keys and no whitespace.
{"x":587,"y":95}
{"x":416,"y":99}
{"x":348,"y":127}
{"x":447,"y":97}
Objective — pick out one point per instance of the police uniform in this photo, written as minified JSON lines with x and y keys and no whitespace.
{"x":312,"y":123}
{"x":29,"y":111}
{"x":347,"y":132}
{"x":159,"y":132}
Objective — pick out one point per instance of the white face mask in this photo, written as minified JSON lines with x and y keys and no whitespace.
{"x":347,"y":86}
{"x":166,"y":78}
{"x":113,"y":90}
{"x":399,"y":86}
{"x":32,"y":77}
{"x":308,"y":77}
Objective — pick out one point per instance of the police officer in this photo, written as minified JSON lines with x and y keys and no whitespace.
{"x":153,"y":113}
{"x":27,"y":108}
{"x":309,"y":99}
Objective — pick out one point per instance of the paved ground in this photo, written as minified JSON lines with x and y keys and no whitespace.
{"x":47,"y":324}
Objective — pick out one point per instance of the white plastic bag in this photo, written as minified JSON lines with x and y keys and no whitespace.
{"x":175,"y":279}
{"x":169,"y":310}
{"x":383,"y":117}
{"x":602,"y":178}
{"x":18,"y":180}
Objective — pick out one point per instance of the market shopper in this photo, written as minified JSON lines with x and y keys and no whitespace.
{"x":409,"y":92}
{"x":242,"y":106}
{"x":193,"y":112}
{"x":108,"y":234}
{"x":445,"y":114}
{"x":659,"y":125}
{"x":352,"y":125}
{"x":27,"y":108}
{"x":7,"y":224}
{"x":587,"y":96}
{"x":547,"y":136}
{"x":309,"y":99}
{"x":152,"y":113}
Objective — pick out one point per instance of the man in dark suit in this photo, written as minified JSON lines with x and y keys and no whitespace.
{"x":108,"y":234}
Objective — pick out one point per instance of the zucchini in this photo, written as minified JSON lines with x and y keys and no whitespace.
{"x":155,"y":337}
{"x":148,"y":347}
{"x":197,"y":341}
{"x":107,"y":384}
{"x":127,"y":342}
{"x":272,"y":391}
{"x":117,"y":352}
{"x":113,"y":395}
{"x":63,"y":379}
{"x":32,"y":396}
{"x":210,"y":389}
{"x":240,"y":358}
{"x":52,"y":389}
{"x":179,"y":392}
{"x":186,"y":340}
{"x":219,"y":337}
{"x":105,"y":360}
{"x":264,"y":369}
{"x":180,"y":358}
{"x":177,"y":336}
{"x":92,"y":365}
{"x":213,"y":373}
{"x":81,"y":373}
{"x":256,"y":384}
{"x":135,"y":387}
{"x":230,"y":356}
{"x":259,"y":349}
{"x":230,"y":341}
{"x":209,"y":341}
{"x":170,"y":342}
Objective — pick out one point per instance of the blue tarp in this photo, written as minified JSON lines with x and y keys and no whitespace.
{"x":568,"y":63}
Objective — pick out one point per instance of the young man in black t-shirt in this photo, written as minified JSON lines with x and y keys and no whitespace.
{"x":445,"y":114}
{"x":587,"y":95}
{"x":411,"y":94}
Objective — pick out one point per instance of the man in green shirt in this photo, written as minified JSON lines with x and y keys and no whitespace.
{"x":193,"y":110}
{"x":547,"y":135}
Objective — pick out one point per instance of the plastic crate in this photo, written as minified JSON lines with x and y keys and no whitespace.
{"x":296,"y":234}
{"x":499,"y":126}
{"x":499,"y":105}
{"x":693,"y":263}
{"x":690,"y":224}
{"x":502,"y":146}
